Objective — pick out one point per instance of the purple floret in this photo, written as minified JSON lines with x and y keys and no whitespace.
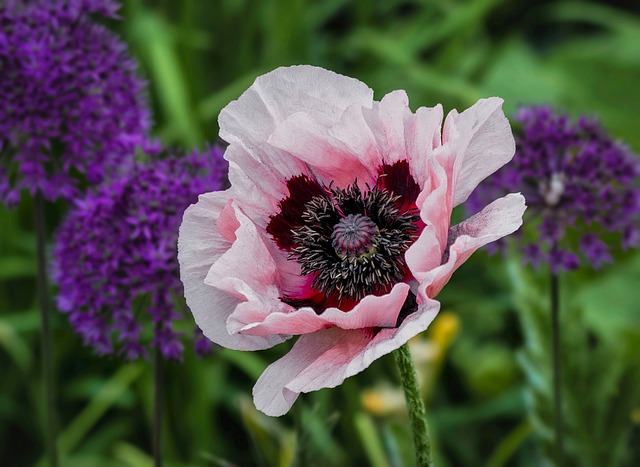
{"x":115,"y":255}
{"x":72,"y":103}
{"x":580,"y":184}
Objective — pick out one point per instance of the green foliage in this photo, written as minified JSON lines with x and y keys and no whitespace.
{"x":600,"y":369}
{"x":198,"y":55}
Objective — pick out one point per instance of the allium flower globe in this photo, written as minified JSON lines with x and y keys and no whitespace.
{"x":114,"y":258}
{"x":336,"y":226}
{"x":71,"y":100}
{"x":578,"y":181}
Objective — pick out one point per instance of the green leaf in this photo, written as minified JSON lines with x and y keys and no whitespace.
{"x":596,"y":363}
{"x":370,"y":440}
{"x":79,"y":427}
{"x":509,"y":445}
{"x":17,"y":267}
{"x":15,"y":346}
{"x":520,"y":77}
{"x":154,"y":37}
{"x":132,"y":456}
{"x":211,"y":106}
{"x":266,"y":433}
{"x":248,"y":362}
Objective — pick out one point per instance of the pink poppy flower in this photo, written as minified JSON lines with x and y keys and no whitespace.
{"x":336,"y":227}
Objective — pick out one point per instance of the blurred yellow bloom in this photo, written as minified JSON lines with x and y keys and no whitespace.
{"x":428,"y":354}
{"x":383,"y":400}
{"x":445,"y":329}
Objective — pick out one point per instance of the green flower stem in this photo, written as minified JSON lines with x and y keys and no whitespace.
{"x":157,"y":408}
{"x":557,"y":369}
{"x":417,"y":411}
{"x":47,"y":340}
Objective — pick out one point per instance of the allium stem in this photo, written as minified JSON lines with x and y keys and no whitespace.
{"x":557,"y":368}
{"x":157,"y":407}
{"x":46,"y":333}
{"x":415,"y":405}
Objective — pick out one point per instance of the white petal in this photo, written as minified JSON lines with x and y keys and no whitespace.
{"x":200,"y":244}
{"x":486,"y":144}
{"x":326,"y":358}
{"x":371,"y":312}
{"x":424,"y":139}
{"x":248,"y":272}
{"x":275,"y":96}
{"x":330,"y":159}
{"x":500,"y":218}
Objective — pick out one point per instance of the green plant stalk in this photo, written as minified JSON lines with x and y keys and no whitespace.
{"x":509,"y":445}
{"x":157,"y":408}
{"x":46,"y":333}
{"x":557,"y":370}
{"x":415,"y":406}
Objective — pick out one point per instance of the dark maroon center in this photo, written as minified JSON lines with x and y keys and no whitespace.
{"x":351,"y":241}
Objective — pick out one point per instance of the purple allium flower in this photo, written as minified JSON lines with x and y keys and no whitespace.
{"x":72,"y":102}
{"x":581,"y":186}
{"x":115,"y":257}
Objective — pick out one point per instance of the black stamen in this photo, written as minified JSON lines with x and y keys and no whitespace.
{"x":353,"y":242}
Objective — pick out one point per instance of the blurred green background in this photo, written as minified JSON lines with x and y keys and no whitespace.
{"x":484,"y":363}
